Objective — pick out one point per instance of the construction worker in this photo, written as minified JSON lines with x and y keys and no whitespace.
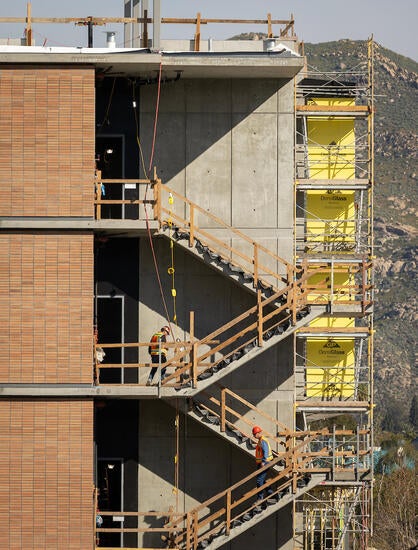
{"x":158,"y":352}
{"x":263,"y":456}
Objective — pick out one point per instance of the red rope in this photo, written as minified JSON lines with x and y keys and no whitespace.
{"x":157,"y":107}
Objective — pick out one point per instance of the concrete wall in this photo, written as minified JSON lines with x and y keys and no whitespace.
{"x":228,"y":146}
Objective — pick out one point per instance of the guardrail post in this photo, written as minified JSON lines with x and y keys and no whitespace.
{"x":363,"y":289}
{"x":259,"y":319}
{"x":295,"y":301}
{"x":94,"y":517}
{"x":194,"y":364}
{"x":98,"y":193}
{"x":255,"y":261}
{"x":228,"y":512}
{"x":191,"y":235}
{"x":333,"y":453}
{"x":223,"y":400}
{"x":195,"y":529}
{"x":157,"y":199}
{"x":357,"y":471}
{"x":331,"y":295}
{"x":188,"y":531}
{"x":294,"y":467}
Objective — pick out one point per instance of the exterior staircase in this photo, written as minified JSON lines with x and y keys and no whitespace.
{"x":228,"y":514}
{"x":252,"y":518}
{"x":222,"y":247}
{"x":235,"y":348}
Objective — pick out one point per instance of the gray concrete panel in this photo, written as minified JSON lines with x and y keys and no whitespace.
{"x":286,"y":97}
{"x":169,"y":152}
{"x":208,"y":160}
{"x":254,"y":170}
{"x":208,"y":96}
{"x":254,"y":96}
{"x":172,"y":97}
{"x":285,"y":169}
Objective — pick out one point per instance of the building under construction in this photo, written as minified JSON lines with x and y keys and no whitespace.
{"x":222,"y":189}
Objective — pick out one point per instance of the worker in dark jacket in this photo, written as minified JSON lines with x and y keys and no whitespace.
{"x":263,"y":456}
{"x":158,"y":352}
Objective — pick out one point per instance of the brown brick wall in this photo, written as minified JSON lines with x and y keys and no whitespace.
{"x":46,"y":308}
{"x":46,"y":475}
{"x":46,"y":141}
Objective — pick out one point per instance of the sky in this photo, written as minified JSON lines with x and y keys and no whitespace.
{"x":393,"y":24}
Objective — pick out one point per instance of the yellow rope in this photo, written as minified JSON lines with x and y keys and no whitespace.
{"x":172,"y":270}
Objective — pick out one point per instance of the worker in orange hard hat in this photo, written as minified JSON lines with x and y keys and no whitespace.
{"x":263,"y":456}
{"x":158,"y":352}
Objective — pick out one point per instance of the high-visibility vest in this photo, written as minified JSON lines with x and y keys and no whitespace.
{"x":154,"y":348}
{"x":259,"y":451}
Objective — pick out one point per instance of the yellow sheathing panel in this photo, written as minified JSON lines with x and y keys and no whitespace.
{"x":330,"y":220}
{"x":333,"y":322}
{"x":331,"y":152}
{"x":330,"y":368}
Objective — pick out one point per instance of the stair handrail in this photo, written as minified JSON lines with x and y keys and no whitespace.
{"x":198,"y":359}
{"x":295,"y":297}
{"x":292,"y":459}
{"x":189,"y":224}
{"x":224,"y":408}
{"x":100,"y":186}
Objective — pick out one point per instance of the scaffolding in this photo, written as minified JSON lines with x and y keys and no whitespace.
{"x":334,"y":175}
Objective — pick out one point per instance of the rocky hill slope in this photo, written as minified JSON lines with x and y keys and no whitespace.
{"x":395,"y":223}
{"x":395,"y":206}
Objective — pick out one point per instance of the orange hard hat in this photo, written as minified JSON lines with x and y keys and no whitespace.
{"x":257,"y":430}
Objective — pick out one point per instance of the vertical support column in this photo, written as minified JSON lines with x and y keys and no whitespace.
{"x":132,"y":31}
{"x":144,"y":41}
{"x":156,"y":24}
{"x":127,"y":27}
{"x":29,"y":25}
{"x":197,"y":34}
{"x":269,"y":27}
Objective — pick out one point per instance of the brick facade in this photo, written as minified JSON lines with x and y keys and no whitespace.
{"x":46,"y":308}
{"x":47,"y":137}
{"x":46,"y":474}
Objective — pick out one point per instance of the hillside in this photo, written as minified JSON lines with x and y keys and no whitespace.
{"x":396,"y":235}
{"x":395,"y":209}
